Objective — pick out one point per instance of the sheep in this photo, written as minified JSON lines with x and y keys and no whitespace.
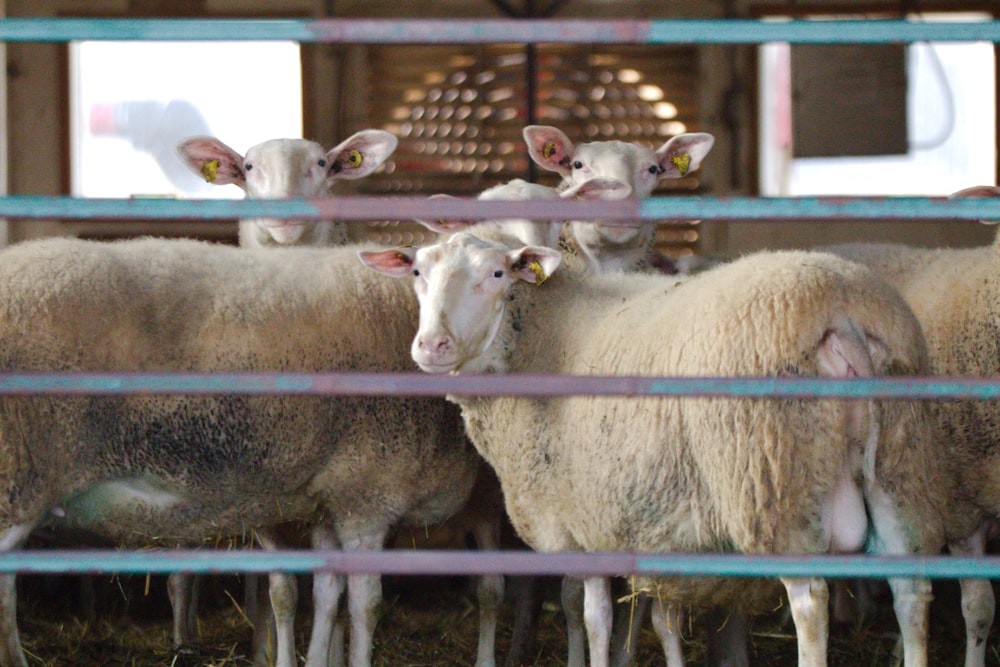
{"x":616,"y":246}
{"x":546,"y":232}
{"x":288,"y":168}
{"x":686,"y":474}
{"x":629,"y":247}
{"x":272,"y":169}
{"x":953,"y":293}
{"x":185,"y":470}
{"x":301,"y":168}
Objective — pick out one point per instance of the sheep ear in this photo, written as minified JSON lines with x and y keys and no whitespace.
{"x":683,"y":154}
{"x":549,"y":147}
{"x":978,"y":192}
{"x":214,"y":161}
{"x":598,"y":188}
{"x":394,"y":263}
{"x":534,"y":264}
{"x":361,"y":153}
{"x":445,"y":226}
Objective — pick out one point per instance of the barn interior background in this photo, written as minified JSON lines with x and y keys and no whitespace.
{"x":458,"y":110}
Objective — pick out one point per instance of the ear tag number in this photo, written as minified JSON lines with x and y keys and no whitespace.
{"x":539,"y":272}
{"x":210,"y":170}
{"x":682,"y":162}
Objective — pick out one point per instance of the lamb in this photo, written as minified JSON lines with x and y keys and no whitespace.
{"x":953,"y":293}
{"x":686,"y":474}
{"x":186,"y":470}
{"x":288,"y":168}
{"x":616,"y":246}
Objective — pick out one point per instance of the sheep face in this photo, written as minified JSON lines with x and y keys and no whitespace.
{"x":287,"y":168}
{"x":632,"y":164}
{"x":461,"y":286}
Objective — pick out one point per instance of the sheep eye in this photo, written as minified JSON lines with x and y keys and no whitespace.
{"x":578,"y":165}
{"x":322,"y":163}
{"x":248,"y":166}
{"x":498,"y":273}
{"x":416,"y":272}
{"x":654,"y":169}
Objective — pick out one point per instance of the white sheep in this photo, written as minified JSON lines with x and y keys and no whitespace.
{"x":689,"y":474}
{"x":607,"y":245}
{"x":301,"y":168}
{"x":273,"y":169}
{"x":543,"y":232}
{"x":181,"y":470}
{"x":281,"y":168}
{"x":954,"y":294}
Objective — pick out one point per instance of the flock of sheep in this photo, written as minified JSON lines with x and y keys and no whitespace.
{"x":576,"y":473}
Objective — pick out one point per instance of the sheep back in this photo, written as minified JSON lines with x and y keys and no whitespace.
{"x":201,"y":468}
{"x":691,"y":474}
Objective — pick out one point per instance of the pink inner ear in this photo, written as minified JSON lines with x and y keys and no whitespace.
{"x":389,"y":262}
{"x":977,"y":192}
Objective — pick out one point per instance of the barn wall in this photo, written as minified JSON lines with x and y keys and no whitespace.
{"x":37,"y":115}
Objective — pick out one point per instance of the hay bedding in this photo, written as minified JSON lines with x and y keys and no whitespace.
{"x":424,"y":623}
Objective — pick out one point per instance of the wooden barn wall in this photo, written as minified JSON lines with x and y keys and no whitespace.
{"x":37,"y":117}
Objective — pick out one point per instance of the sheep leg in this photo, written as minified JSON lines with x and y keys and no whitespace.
{"x":11,"y":653}
{"x":327,"y":589}
{"x":726,"y":638}
{"x":527,"y":593}
{"x":911,"y":596}
{"x":257,"y":606}
{"x":911,"y":599}
{"x":182,"y":592}
{"x":284,"y":594}
{"x":572,"y":604}
{"x":978,"y":601}
{"x":667,"y":619}
{"x":364,"y":593}
{"x":808,"y":599}
{"x":628,"y":619}
{"x":489,"y":591}
{"x":597,"y":615}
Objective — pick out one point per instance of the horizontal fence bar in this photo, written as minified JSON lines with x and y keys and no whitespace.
{"x":439,"y":562}
{"x":534,"y":385}
{"x":458,"y":208}
{"x":479,"y":31}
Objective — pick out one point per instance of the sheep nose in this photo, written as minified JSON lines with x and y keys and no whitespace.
{"x":436,"y":344}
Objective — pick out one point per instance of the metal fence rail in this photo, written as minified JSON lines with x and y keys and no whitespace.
{"x":476,"y":31}
{"x":419,"y":384}
{"x":438,"y":562}
{"x":413,"y":208}
{"x":355,"y":31}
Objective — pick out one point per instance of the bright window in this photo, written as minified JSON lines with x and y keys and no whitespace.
{"x":132,"y":102}
{"x":951,"y":134}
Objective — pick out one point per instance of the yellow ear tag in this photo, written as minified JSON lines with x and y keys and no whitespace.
{"x":354,"y":158}
{"x":548,"y":150}
{"x":210,"y":170}
{"x":539,"y":272}
{"x":682,"y":162}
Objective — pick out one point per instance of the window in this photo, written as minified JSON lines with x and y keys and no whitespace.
{"x":950,"y":141}
{"x":131,"y":102}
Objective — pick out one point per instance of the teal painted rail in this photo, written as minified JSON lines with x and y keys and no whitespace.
{"x":419,"y":384}
{"x":470,"y":31}
{"x":433,"y":562}
{"x":410,"y":208}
